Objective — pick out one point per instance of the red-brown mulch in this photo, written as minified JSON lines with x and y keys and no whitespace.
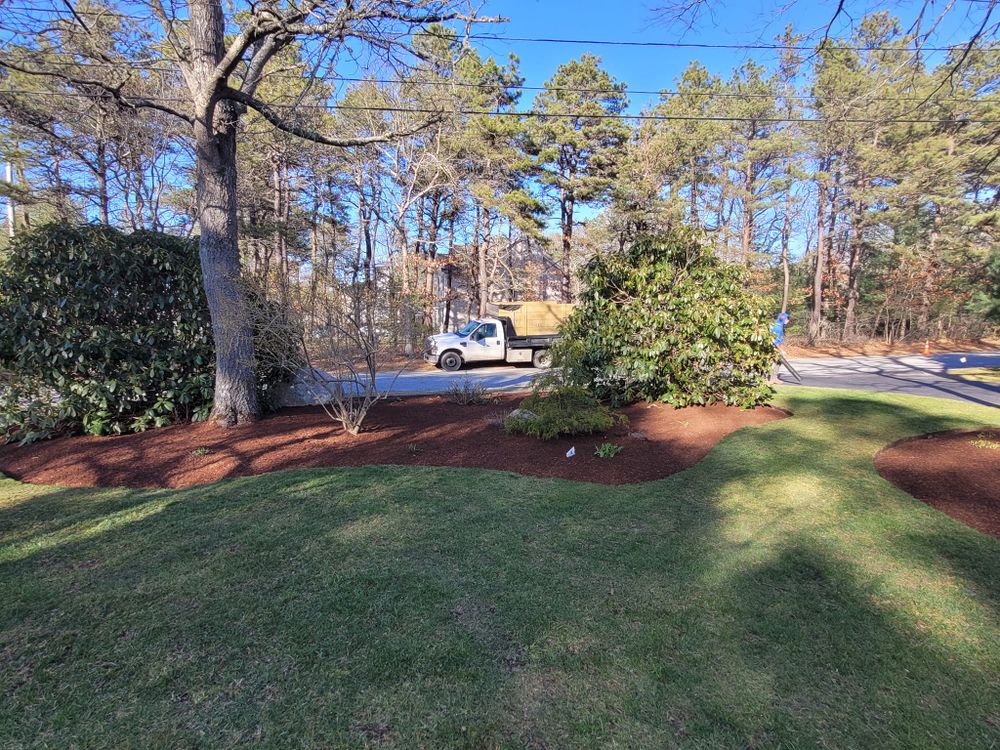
{"x":949,"y":472}
{"x":423,"y":431}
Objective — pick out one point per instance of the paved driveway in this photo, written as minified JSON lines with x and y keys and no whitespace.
{"x":917,"y":375}
{"x":913,"y":374}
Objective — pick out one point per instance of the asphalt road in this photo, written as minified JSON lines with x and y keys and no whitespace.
{"x":911,"y":374}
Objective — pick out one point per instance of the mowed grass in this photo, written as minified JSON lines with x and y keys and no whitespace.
{"x":778,"y":594}
{"x":982,"y":374}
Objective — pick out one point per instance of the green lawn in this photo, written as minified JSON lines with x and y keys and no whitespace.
{"x":778,"y":594}
{"x":982,"y":374}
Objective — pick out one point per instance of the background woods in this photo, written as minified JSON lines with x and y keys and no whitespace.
{"x":855,"y":178}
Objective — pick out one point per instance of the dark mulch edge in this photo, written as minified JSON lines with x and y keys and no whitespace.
{"x":445,"y":434}
{"x":971,"y":496}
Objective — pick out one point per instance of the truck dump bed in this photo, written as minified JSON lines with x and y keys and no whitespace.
{"x":534,"y":318}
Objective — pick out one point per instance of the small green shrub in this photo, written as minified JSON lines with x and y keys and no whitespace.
{"x":568,"y":410}
{"x":607,"y":450}
{"x":985,"y":440}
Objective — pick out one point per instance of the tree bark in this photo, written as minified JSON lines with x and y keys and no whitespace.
{"x":481,"y":271}
{"x":215,"y":151}
{"x":566,"y":216}
{"x":103,"y":212}
{"x":747,"y":230}
{"x":786,"y":234}
{"x":692,"y":162}
{"x":854,"y":264}
{"x":9,"y":179}
{"x":816,"y":317}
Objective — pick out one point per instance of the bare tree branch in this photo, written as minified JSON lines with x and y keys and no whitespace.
{"x":281,"y":123}
{"x":113,"y":93}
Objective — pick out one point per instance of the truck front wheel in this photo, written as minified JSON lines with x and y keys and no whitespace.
{"x":541,"y":358}
{"x":450,"y":362}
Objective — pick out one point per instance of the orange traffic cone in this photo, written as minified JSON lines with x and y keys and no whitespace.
{"x":927,"y":348}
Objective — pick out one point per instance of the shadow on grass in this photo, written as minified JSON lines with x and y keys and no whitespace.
{"x":761,"y":598}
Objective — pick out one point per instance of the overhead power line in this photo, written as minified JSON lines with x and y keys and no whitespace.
{"x":557,"y":40}
{"x":550,"y":115}
{"x":666,"y":92}
{"x":702,"y":45}
{"x":447,"y":83}
{"x":705,"y":118}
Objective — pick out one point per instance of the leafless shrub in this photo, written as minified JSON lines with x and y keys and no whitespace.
{"x":469,"y":392}
{"x":341,"y":345}
{"x":497,"y":417}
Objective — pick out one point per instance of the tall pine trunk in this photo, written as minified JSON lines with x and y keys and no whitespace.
{"x":215,"y":152}
{"x":481,"y":271}
{"x":816,"y":317}
{"x":786,"y":234}
{"x":567,"y":247}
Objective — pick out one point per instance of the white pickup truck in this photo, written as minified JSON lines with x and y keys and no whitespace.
{"x":494,"y":338}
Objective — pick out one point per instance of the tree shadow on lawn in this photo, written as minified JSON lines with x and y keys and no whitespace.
{"x":745,"y":602}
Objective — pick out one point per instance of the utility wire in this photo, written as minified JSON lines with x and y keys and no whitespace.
{"x":446,"y":83}
{"x":697,"y":45}
{"x":665,"y":92}
{"x":556,"y":40}
{"x":545,"y":115}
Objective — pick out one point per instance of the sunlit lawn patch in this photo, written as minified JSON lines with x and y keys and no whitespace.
{"x":980,"y":374}
{"x":779,"y":593}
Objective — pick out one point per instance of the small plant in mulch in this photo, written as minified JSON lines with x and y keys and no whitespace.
{"x":607,"y":450}
{"x":986,"y":441}
{"x":497,"y":417}
{"x":567,"y":410}
{"x":201,"y":451}
{"x":469,"y":392}
{"x":414,"y":448}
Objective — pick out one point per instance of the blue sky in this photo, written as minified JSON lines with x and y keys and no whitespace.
{"x":731,"y":22}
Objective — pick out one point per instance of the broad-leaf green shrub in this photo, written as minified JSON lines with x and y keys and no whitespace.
{"x":666,"y":320}
{"x":102,"y":331}
{"x":567,"y":410}
{"x":116,"y":325}
{"x":30,"y":412}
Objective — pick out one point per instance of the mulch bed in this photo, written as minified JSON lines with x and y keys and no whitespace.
{"x":422,"y":431}
{"x":948,"y":471}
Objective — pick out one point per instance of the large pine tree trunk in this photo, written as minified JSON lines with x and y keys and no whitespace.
{"x":235,"y":386}
{"x":482,"y":272}
{"x":214,"y":129}
{"x":816,"y":317}
{"x":786,"y":234}
{"x":567,"y":247}
{"x":854,"y":265}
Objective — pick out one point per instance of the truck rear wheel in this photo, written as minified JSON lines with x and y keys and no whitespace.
{"x":541,"y":358}
{"x":450,"y":362}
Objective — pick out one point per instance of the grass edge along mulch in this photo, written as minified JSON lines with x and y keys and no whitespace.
{"x":955,"y":471}
{"x":778,"y":593}
{"x":657,"y":441}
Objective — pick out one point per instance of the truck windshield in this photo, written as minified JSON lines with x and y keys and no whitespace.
{"x":468,"y":328}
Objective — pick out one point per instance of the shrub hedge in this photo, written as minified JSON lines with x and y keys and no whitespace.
{"x":666,"y":320}
{"x":103,"y":331}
